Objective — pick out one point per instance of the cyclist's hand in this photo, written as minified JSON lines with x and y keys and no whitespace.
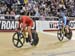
{"x":17,"y":29}
{"x":23,"y":25}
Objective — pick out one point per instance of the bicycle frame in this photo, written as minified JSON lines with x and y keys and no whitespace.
{"x":63,"y":30}
{"x":25,"y":32}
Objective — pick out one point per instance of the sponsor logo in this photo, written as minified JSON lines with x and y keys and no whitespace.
{"x":53,"y":24}
{"x":10,"y":24}
{"x":7,"y":25}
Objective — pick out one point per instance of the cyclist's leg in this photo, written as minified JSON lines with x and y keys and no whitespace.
{"x":67,"y":29}
{"x":63,"y":26}
{"x":65,"y":21}
{"x":30,"y":33}
{"x":24,"y":32}
{"x":67,"y":26}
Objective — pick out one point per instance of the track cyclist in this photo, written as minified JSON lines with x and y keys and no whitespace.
{"x":26,"y":21}
{"x":65,"y":21}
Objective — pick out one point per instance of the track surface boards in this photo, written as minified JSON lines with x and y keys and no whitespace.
{"x":48,"y":45}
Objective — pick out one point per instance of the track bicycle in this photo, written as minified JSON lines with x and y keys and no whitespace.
{"x":19,"y":38}
{"x":61,"y":33}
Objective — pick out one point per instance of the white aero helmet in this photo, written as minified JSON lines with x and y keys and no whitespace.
{"x":17,"y":17}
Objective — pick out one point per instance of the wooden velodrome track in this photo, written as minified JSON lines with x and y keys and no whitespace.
{"x":48,"y":45}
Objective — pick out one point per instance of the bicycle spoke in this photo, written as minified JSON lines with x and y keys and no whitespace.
{"x":20,"y":42}
{"x":15,"y":39}
{"x":17,"y":43}
{"x":19,"y":39}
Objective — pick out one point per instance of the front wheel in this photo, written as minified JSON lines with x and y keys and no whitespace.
{"x":18,"y":39}
{"x":60,"y":35}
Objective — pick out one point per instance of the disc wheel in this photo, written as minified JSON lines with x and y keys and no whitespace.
{"x":35,"y":38}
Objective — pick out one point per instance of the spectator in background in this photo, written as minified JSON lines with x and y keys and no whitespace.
{"x":22,"y":11}
{"x":3,"y":7}
{"x":7,"y":15}
{"x":33,"y":8}
{"x":8,"y":10}
{"x":43,"y":17}
{"x":36,"y":9}
{"x":8,"y":3}
{"x":12,"y":13}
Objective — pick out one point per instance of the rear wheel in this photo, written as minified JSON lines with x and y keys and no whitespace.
{"x":35,"y":38}
{"x":18,"y":39}
{"x":69,"y":35}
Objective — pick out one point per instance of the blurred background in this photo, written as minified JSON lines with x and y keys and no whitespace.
{"x":37,"y":10}
{"x":37,"y":7}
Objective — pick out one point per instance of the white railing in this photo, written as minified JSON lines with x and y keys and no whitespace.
{"x":2,"y":16}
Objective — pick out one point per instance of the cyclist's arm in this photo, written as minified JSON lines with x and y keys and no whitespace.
{"x":18,"y":27}
{"x":19,"y":24}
